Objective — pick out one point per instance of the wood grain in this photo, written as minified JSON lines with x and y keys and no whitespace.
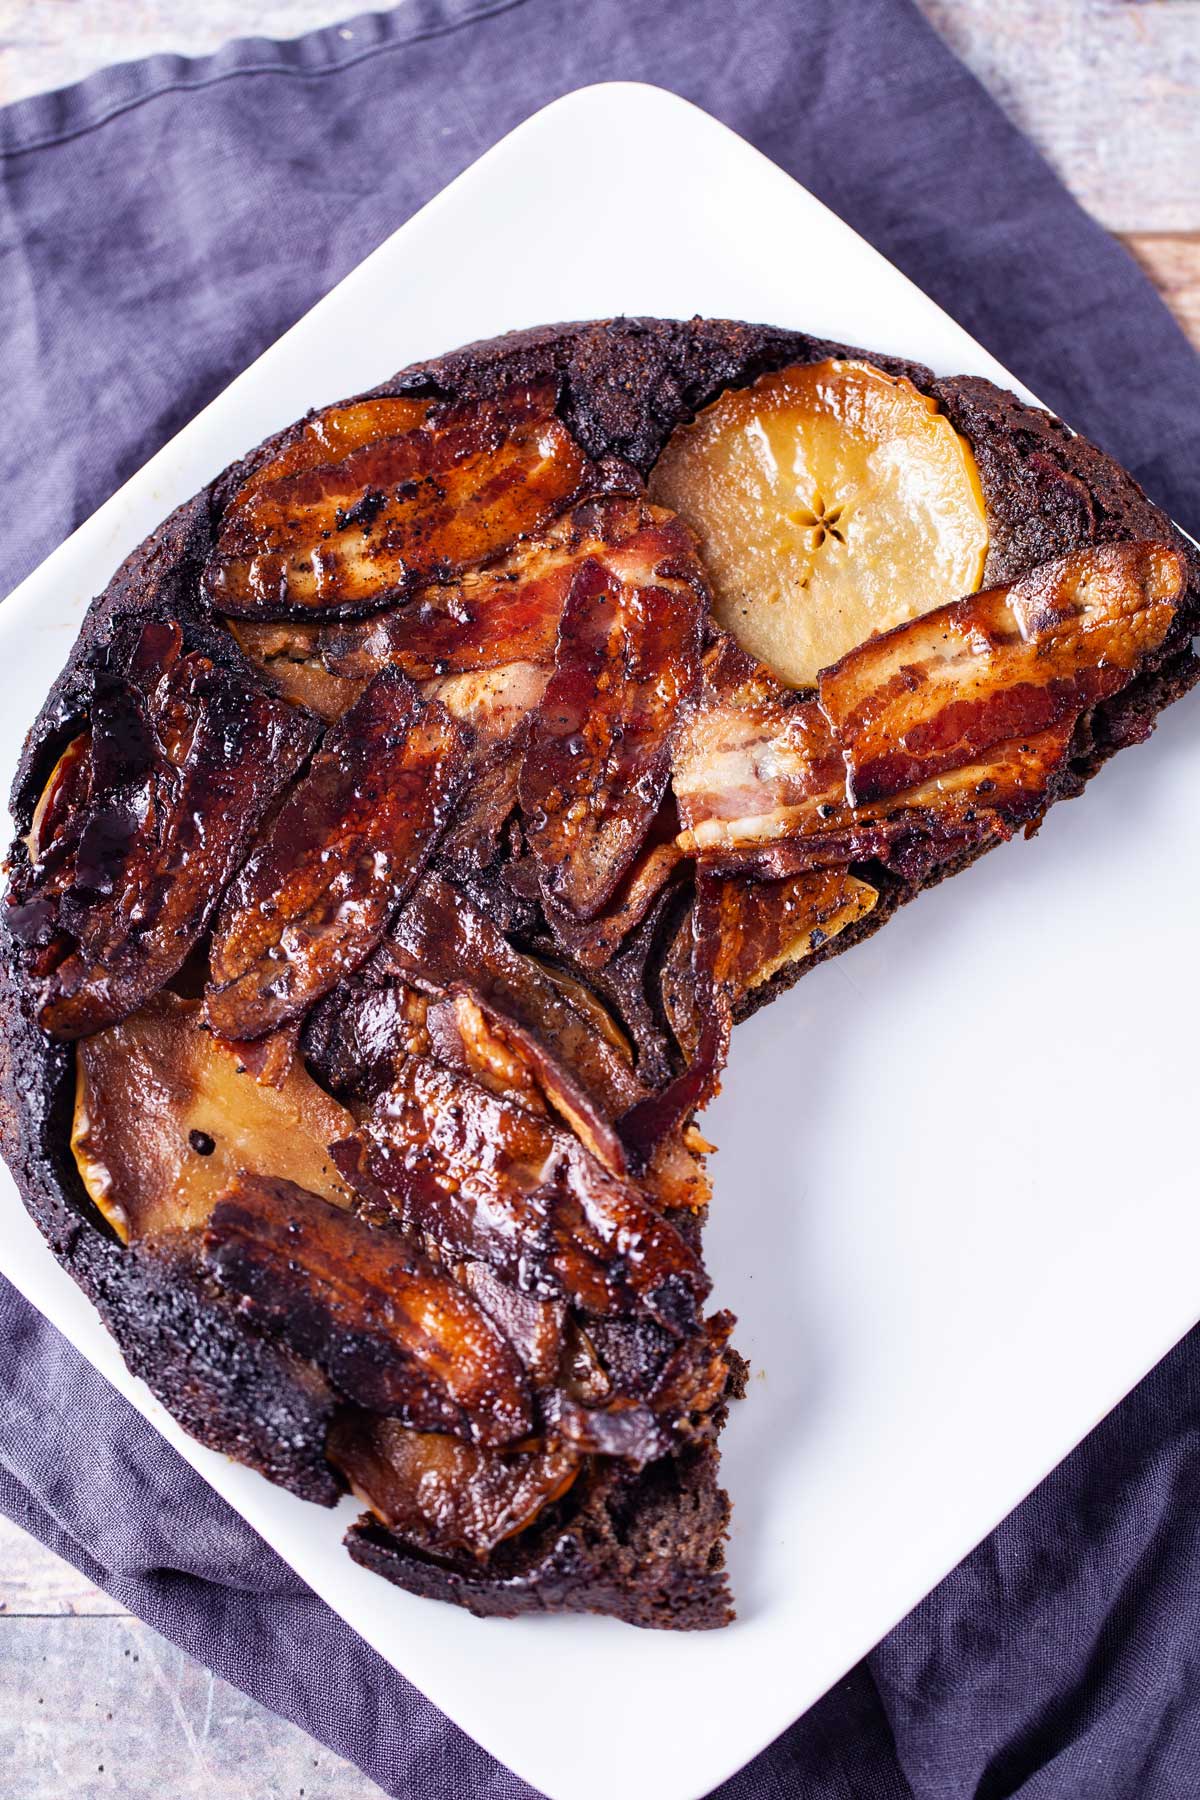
{"x":104,"y":1706}
{"x":1172,"y":261}
{"x":1108,"y":89}
{"x":34,"y":1583}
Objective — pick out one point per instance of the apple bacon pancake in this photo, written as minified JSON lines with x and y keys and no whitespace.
{"x":421,"y":807}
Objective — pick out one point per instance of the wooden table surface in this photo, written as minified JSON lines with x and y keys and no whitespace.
{"x":92,"y":1701}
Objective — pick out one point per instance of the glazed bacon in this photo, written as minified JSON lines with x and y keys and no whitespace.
{"x":930,"y":739}
{"x":146,"y":818}
{"x":507,"y":612}
{"x":391,"y":1331}
{"x":483,"y":1176}
{"x":755,"y":763}
{"x":626,"y":669}
{"x":375,"y":500}
{"x":1007,"y":664}
{"x":347,"y":845}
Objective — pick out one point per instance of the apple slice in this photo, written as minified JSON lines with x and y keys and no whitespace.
{"x":166,"y":1115}
{"x":831,"y":501}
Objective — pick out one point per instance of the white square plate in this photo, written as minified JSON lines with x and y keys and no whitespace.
{"x":954,"y":1213}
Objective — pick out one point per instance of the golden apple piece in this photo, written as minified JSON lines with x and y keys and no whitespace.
{"x":289,"y":656}
{"x":831,"y":501}
{"x":166,"y":1115}
{"x":765,"y":925}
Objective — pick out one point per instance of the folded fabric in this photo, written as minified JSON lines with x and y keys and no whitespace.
{"x":161,"y":224}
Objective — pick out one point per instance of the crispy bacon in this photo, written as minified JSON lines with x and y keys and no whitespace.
{"x":948,"y":732}
{"x":146,"y":823}
{"x":391,"y":1331}
{"x":347,"y":845}
{"x":492,"y":704}
{"x":626,"y":669}
{"x":485,"y":1177}
{"x":376,"y":500}
{"x":936,"y":694}
{"x":508,"y":612}
{"x":960,"y":811}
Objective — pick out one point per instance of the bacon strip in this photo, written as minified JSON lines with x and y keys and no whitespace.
{"x":348,"y":844}
{"x":383,"y":497}
{"x":485,"y":1177}
{"x":947,"y":732}
{"x":626,"y":670}
{"x":753,"y":764}
{"x":508,"y":612}
{"x":1006,"y":664}
{"x":180,"y":767}
{"x":393,"y":1332}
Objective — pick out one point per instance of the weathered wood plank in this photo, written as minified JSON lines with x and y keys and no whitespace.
{"x":35,"y":1583}
{"x":1109,"y":90}
{"x":1172,"y":261}
{"x":103,"y":1706}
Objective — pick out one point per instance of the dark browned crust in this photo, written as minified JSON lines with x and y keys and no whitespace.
{"x":647,"y":1547}
{"x":644,"y":1547}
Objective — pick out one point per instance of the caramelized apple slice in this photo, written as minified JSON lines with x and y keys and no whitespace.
{"x":599,"y":757}
{"x":487,"y":1178}
{"x":351,"y":523}
{"x":288,"y":656}
{"x":64,"y":795}
{"x":765,"y":925}
{"x":391,"y":1331}
{"x":936,"y":694}
{"x":164,"y":795}
{"x":831,"y":501}
{"x":444,"y":1495}
{"x":350,"y":840}
{"x":166,"y":1115}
